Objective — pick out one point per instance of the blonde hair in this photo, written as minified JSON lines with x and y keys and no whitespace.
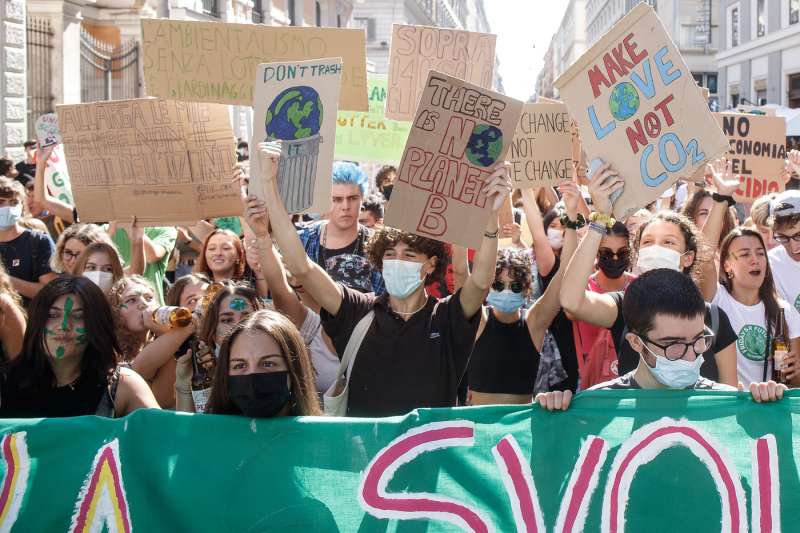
{"x":84,"y":233}
{"x":130,"y":343}
{"x":109,"y":250}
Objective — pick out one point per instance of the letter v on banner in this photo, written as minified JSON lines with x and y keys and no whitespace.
{"x":376,"y":501}
{"x":766,"y":506}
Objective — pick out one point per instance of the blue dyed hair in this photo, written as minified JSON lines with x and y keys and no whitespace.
{"x":350,"y":174}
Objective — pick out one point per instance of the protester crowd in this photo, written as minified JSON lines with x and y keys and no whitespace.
{"x":269,"y":314}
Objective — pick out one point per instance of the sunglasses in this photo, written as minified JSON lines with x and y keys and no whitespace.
{"x":515,"y":286}
{"x":607,"y":254}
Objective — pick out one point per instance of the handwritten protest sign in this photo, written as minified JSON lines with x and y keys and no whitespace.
{"x":757,"y":152}
{"x":541,"y":152}
{"x":163,"y":161}
{"x":56,"y":176}
{"x":295,"y":103}
{"x":216,"y":62}
{"x":460,"y":131}
{"x":371,"y":137}
{"x":47,"y":132}
{"x":637,"y":107}
{"x":416,"y":50}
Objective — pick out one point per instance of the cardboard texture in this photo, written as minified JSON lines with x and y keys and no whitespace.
{"x":47,"y":132}
{"x":371,"y":137}
{"x":460,"y":132}
{"x":295,"y":103}
{"x":506,"y":213}
{"x":216,"y":61}
{"x":757,"y":152}
{"x":416,"y":50}
{"x":637,"y":106}
{"x":541,"y":151}
{"x":162,"y":161}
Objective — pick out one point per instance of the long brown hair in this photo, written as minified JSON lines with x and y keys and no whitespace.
{"x":106,"y":248}
{"x":294,"y":352}
{"x":7,"y":288}
{"x":766,"y":292}
{"x":202,"y":267}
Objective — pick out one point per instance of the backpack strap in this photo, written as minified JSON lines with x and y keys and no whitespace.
{"x":107,"y":406}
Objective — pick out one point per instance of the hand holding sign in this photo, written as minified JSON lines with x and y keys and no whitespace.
{"x":604,"y":183}
{"x":793,"y":158}
{"x":497,"y":186}
{"x":47,"y":131}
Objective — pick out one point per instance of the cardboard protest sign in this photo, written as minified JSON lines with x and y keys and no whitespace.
{"x":416,"y":50}
{"x":295,"y":103}
{"x":216,"y":62}
{"x":56,"y":176}
{"x":162,"y":161}
{"x":47,"y":132}
{"x":541,"y":151}
{"x":757,"y":152}
{"x":459,"y":133}
{"x":371,"y":137}
{"x":637,"y":107}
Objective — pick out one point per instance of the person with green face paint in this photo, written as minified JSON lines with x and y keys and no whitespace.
{"x":68,"y":365}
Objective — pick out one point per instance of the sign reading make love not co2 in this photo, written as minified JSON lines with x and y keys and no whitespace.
{"x":639,"y":108}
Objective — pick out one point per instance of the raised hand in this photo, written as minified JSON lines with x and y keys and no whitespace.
{"x":605,"y":182}
{"x":256,"y":216}
{"x":571,"y":194}
{"x":793,"y":159}
{"x":269,"y":154}
{"x":722,"y":177}
{"x":498,"y":185}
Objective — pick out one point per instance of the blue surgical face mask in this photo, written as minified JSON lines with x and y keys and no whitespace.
{"x":505,"y":301}
{"x":678,"y":374}
{"x":402,"y":277}
{"x":9,"y":215}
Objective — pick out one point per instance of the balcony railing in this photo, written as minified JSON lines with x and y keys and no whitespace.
{"x":211,"y":7}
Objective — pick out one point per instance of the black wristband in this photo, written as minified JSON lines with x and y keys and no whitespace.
{"x":721,"y":198}
{"x":573,"y":224}
{"x":491,"y":235}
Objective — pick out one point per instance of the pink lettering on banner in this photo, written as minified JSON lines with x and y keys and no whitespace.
{"x":376,"y":501}
{"x":582,"y":484}
{"x":15,"y":481}
{"x":645,"y":445}
{"x":766,"y":486}
{"x":518,"y":481}
{"x":102,"y":502}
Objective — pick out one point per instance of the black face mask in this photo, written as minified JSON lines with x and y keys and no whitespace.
{"x":613,"y":267}
{"x":387,"y":191}
{"x":260,"y":395}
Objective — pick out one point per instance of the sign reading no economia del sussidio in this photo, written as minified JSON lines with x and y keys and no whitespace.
{"x":639,"y":108}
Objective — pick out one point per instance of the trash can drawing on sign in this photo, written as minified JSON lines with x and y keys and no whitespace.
{"x":294,"y":117}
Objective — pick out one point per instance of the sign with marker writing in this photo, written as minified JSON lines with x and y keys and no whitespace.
{"x":371,"y":137}
{"x":460,"y":132}
{"x":295,"y":103}
{"x":637,"y":107}
{"x":162,"y":161}
{"x":56,"y":176}
{"x":416,"y":50}
{"x":541,"y":152}
{"x":47,"y":132}
{"x":216,"y":61}
{"x":757,"y":152}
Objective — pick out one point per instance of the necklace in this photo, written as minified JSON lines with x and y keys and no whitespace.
{"x":403,"y":313}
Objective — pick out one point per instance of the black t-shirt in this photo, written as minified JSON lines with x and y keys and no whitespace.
{"x":349,"y":265}
{"x":80,"y":398}
{"x":629,"y":358}
{"x":403,"y":365}
{"x":627,"y":381}
{"x":27,"y":257}
{"x":27,"y":172}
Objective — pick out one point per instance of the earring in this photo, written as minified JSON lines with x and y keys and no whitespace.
{"x":729,"y":274}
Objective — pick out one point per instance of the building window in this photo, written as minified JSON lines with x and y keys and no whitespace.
{"x":290,"y":7}
{"x":338,"y":20}
{"x":794,"y":91}
{"x":734,"y":26}
{"x":761,"y":18}
{"x":794,"y":11}
{"x":761,"y":97}
{"x":210,"y":8}
{"x":711,"y":83}
{"x":318,"y":13}
{"x":734,"y":100}
{"x":368,"y":25}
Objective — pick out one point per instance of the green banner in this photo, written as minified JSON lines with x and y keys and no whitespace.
{"x":371,"y":137}
{"x":645,"y":461}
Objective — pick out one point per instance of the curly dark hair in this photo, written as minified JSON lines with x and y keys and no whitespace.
{"x":387,"y":238}
{"x":518,"y":265}
{"x":784,"y":223}
{"x":382,"y":174}
{"x":691,"y":236}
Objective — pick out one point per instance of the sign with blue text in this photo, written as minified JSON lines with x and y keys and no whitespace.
{"x":639,"y":108}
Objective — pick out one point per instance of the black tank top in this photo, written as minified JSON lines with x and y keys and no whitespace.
{"x":504,"y":360}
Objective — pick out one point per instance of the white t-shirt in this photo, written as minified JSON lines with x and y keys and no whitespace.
{"x":786,"y":272}
{"x":326,"y":362}
{"x":749,"y":323}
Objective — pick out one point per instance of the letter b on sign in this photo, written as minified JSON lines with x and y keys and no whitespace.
{"x":433,"y":221}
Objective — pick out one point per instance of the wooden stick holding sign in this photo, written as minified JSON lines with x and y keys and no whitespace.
{"x":757,"y":153}
{"x":459,"y":133}
{"x":637,"y":107}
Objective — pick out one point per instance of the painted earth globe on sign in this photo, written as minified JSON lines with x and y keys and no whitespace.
{"x":296,"y":113}
{"x":624,"y":101}
{"x":484,"y":145}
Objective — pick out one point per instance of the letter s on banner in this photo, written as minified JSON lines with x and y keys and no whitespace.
{"x":376,"y":501}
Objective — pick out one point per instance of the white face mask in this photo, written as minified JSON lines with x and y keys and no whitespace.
{"x":678,"y":374}
{"x":655,"y":256}
{"x":104,"y":280}
{"x":402,"y":277}
{"x":556,"y":238}
{"x":9,"y":215}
